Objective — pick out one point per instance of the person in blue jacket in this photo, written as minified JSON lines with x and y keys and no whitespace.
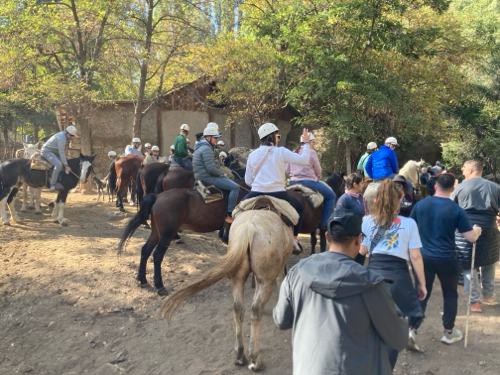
{"x":383,"y":163}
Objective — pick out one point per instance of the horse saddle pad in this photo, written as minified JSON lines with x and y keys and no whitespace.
{"x":265,"y":202}
{"x":209,"y":193}
{"x":38,"y":162}
{"x":314,"y":197}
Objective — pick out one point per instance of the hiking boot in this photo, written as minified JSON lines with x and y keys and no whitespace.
{"x":449,"y":337}
{"x":490,"y":300}
{"x":476,"y":307}
{"x":297,"y":248}
{"x":229,"y":219}
{"x":412,"y":341}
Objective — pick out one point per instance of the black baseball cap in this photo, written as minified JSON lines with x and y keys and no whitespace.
{"x":348,"y":220}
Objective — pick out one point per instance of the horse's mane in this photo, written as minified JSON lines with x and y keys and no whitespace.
{"x":411,"y":171}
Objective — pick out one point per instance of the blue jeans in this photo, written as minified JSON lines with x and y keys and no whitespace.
{"x":58,"y":166}
{"x":380,"y":179}
{"x":326,"y":191}
{"x":487,"y":283}
{"x":225,"y":183}
{"x":186,"y":163}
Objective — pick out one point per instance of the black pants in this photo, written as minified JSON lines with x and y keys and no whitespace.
{"x":447,"y":272}
{"x":287,"y":197}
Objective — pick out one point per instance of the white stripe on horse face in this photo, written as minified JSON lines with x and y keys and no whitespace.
{"x":85,"y":167}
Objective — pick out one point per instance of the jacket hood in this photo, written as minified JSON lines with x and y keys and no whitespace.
{"x":200,"y":143}
{"x":335,"y":275}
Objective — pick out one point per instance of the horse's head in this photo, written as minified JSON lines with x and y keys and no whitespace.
{"x":85,"y":167}
{"x":30,"y":149}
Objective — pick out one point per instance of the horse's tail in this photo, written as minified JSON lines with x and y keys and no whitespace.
{"x":112,"y":177}
{"x":139,"y":189}
{"x":159,"y":183}
{"x":139,"y":218}
{"x":243,"y":235}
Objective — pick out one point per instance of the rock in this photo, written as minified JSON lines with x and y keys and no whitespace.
{"x":107,"y":369}
{"x":482,"y":363}
{"x":120,"y":357}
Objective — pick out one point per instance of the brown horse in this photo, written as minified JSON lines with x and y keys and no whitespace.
{"x":259,"y":242}
{"x":170,"y":211}
{"x":147,"y":178}
{"x":126,"y":169}
{"x":311,"y":221}
{"x":176,"y":178}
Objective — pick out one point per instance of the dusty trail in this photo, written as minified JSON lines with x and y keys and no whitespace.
{"x":69,"y":305}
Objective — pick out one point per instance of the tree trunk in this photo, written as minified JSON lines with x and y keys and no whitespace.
{"x":36,"y":129}
{"x":6,"y":138}
{"x":348,"y":157}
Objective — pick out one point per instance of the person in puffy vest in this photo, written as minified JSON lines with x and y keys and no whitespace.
{"x":383,"y":163}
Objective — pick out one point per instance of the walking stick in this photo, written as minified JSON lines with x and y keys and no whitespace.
{"x":470,"y":294}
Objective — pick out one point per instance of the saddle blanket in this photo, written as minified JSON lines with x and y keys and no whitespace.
{"x":38,"y":162}
{"x":284,"y":209}
{"x":209,"y":193}
{"x":315,"y":198}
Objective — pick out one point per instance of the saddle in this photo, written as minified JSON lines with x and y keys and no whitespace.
{"x":174,"y":165}
{"x":314,"y":197}
{"x":210,"y":194}
{"x":38,"y":162}
{"x":265,"y":202}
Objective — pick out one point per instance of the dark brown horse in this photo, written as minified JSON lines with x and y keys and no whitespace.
{"x":312,"y":220}
{"x":147,"y":178}
{"x":170,"y":211}
{"x":177,"y":178}
{"x":126,"y":169}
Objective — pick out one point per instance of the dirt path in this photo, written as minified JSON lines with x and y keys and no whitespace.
{"x":69,"y":305}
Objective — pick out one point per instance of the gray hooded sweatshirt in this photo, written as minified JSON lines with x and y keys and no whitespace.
{"x":343,"y":317}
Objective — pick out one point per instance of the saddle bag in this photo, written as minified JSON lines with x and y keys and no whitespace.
{"x":210,"y":194}
{"x":38,"y":162}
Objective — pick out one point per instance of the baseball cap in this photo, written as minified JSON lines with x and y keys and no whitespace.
{"x":392,"y":141}
{"x":348,"y":220}
{"x":371,"y":146}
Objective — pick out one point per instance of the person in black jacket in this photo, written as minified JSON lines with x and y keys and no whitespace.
{"x":480,"y":199}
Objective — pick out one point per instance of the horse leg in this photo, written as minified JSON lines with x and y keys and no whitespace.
{"x":25,"y":197}
{"x":158,"y":255}
{"x":261,"y":296}
{"x":37,"y":197}
{"x":146,"y":251}
{"x":55,"y":210}
{"x":3,"y":212}
{"x":238,"y":287}
{"x":12,"y":209}
{"x":314,"y":241}
{"x":33,"y":193}
{"x":322,"y":240}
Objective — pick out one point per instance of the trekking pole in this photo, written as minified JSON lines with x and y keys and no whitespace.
{"x":470,"y":294}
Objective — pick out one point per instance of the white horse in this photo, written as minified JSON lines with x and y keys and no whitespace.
{"x":411,"y":171}
{"x":35,"y":194}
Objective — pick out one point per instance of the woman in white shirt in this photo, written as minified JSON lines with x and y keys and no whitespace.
{"x":391,"y":241}
{"x":265,"y":170}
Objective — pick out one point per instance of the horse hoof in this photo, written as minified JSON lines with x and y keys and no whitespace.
{"x":146,"y":226}
{"x":55,"y":221}
{"x":31,"y":208}
{"x":240,"y":361}
{"x":6,"y":223}
{"x":23,"y":210}
{"x":64,"y":223}
{"x":256,"y":367}
{"x":163,"y":292}
{"x":122,"y":209}
{"x":38,"y":212}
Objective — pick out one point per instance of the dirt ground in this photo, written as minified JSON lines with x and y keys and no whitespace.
{"x":70,"y":305}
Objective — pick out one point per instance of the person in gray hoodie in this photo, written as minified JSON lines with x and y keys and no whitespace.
{"x":343,"y":316}
{"x":54,"y":152}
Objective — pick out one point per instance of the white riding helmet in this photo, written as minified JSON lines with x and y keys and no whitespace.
{"x":222,"y":153}
{"x":266,"y":129}
{"x":211,"y":131}
{"x":392,"y":141}
{"x":213,"y":125}
{"x":371,"y":146}
{"x":136,"y":140}
{"x":155,"y":148}
{"x":111,"y":153}
{"x":311,"y":137}
{"x":71,"y":130}
{"x":221,"y":143}
{"x":147,"y":145}
{"x":185,"y":127}
{"x":172,"y":147}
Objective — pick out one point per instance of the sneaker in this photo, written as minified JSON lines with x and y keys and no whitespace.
{"x":132,"y":203}
{"x":229,"y":219}
{"x":451,"y":337}
{"x":412,"y":341}
{"x":489,"y":299}
{"x":297,"y":248}
{"x":476,"y":307}
{"x":52,"y":188}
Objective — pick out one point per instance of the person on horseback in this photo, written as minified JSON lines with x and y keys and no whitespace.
{"x":309,"y":176}
{"x":383,"y":163}
{"x":265,"y":171}
{"x":226,"y":170}
{"x":207,"y":172}
{"x":134,"y":148}
{"x":53,"y":152}
{"x":370,"y":148}
{"x":156,"y":153}
{"x":147,"y":146}
{"x":112,"y":155}
{"x":181,"y":153}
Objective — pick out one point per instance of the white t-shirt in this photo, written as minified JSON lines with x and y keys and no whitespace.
{"x":397,"y":240}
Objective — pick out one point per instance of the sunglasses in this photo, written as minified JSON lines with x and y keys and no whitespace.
{"x":71,"y":135}
{"x":278,"y":137}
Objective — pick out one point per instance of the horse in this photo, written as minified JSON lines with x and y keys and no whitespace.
{"x":174,"y":179}
{"x":191,"y":213}
{"x":35,"y":194}
{"x":18,"y":169}
{"x":337,"y":183}
{"x":148,"y":177}
{"x":411,"y":171}
{"x":311,"y":220}
{"x":259,"y":242}
{"x":125,"y":171}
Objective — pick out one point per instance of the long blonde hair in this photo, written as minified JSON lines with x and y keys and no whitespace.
{"x":386,"y":207}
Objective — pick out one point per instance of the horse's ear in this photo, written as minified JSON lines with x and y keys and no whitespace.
{"x":38,"y":144}
{"x":92,"y":158}
{"x":81,"y":155}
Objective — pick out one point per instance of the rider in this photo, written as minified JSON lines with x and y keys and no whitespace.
{"x":207,"y":172}
{"x":265,"y":171}
{"x":181,"y":153}
{"x":309,"y":175}
{"x":156,"y":153}
{"x":226,"y":170}
{"x":147,"y":146}
{"x":370,"y":148}
{"x":134,"y":148}
{"x":383,"y":163}
{"x":112,"y":155}
{"x":53,"y":152}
